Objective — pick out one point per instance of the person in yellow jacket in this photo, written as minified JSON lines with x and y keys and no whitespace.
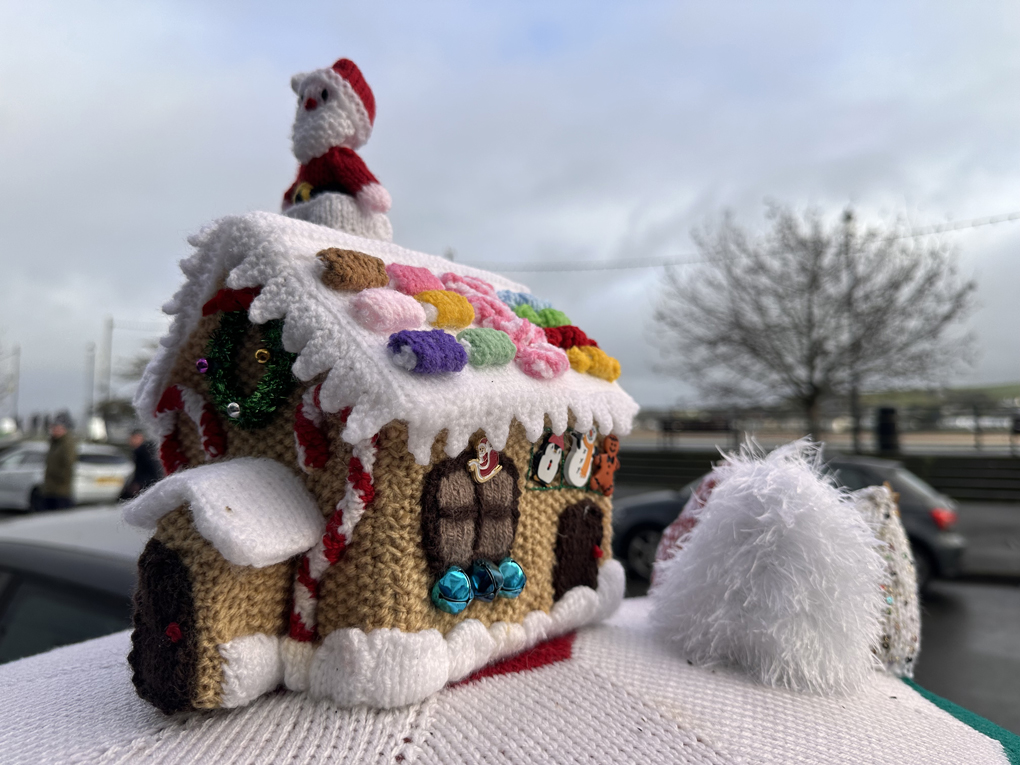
{"x":60,"y":462}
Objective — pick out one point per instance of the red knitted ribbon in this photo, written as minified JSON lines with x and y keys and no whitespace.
{"x":551,"y":651}
{"x":358,"y":495}
{"x":174,"y":400}
{"x":231,"y":300}
{"x":312,"y":445}
{"x":567,"y":337}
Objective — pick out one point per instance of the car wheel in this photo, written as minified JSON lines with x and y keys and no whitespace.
{"x":923,"y":566}
{"x":640,"y":551}
{"x":35,"y":503}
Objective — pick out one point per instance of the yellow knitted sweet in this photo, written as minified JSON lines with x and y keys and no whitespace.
{"x":594,"y":361}
{"x":452,"y":311}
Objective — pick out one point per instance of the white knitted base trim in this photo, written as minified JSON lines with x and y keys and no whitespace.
{"x":252,"y":666}
{"x":388,"y":668}
{"x":343,"y":213}
{"x":297,"y":662}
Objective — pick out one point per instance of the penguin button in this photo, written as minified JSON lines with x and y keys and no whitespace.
{"x":546,"y":464}
{"x":579,"y":462}
{"x":486,"y":465}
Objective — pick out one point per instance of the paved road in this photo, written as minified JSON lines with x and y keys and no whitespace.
{"x":970,"y":647}
{"x":992,"y":530}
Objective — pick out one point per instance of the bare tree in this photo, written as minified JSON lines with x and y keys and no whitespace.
{"x":131,"y":369}
{"x":809,"y":310}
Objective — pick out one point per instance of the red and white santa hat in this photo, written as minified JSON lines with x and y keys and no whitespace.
{"x":350,"y":83}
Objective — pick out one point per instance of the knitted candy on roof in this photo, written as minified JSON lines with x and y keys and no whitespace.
{"x":335,"y":116}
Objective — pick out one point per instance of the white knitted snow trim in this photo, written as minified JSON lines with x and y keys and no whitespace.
{"x":254,"y":511}
{"x":781,"y":576}
{"x":251,"y":667}
{"x":388,"y":668}
{"x":278,"y":254}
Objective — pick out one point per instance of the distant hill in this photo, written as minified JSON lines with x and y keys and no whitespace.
{"x":1003,"y":394}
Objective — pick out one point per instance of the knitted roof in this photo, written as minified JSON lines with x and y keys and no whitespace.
{"x":278,"y":254}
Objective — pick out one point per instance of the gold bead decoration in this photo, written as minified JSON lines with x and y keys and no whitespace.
{"x":261,"y":355}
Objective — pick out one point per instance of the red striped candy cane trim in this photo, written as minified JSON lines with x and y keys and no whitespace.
{"x":177,"y":399}
{"x":358,"y":495}
{"x":309,"y":437}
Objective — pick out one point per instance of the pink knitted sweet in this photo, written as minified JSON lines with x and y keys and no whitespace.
{"x":411,"y":279}
{"x":384,"y":310}
{"x":542,"y":360}
{"x":535,"y":357}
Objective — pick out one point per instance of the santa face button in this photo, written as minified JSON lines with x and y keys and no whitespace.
{"x":486,"y":465}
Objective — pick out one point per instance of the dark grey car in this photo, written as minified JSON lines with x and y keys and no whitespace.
{"x":928,"y":517}
{"x":65,"y":577}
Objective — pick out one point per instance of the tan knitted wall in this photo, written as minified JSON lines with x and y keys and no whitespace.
{"x":276,"y":440}
{"x":383,"y":581}
{"x":230,"y":600}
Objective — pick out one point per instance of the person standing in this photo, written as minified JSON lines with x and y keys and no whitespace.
{"x":147,"y":468}
{"x":60,"y":462}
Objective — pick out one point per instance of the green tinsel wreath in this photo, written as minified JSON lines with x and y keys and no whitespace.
{"x":273,"y":388}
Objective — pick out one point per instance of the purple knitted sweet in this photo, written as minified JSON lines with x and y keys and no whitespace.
{"x":427,"y":352}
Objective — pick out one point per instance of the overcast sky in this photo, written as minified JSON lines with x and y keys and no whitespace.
{"x":509,"y":132}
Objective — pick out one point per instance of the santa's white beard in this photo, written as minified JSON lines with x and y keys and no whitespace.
{"x":318,"y":131}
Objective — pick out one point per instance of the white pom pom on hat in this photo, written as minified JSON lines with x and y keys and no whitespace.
{"x":780,"y":576}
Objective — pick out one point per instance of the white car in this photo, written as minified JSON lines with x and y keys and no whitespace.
{"x":99,"y":475}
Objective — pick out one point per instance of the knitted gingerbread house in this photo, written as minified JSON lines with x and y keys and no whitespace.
{"x":383,"y":472}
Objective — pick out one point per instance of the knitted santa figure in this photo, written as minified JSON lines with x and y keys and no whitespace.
{"x":335,"y":114}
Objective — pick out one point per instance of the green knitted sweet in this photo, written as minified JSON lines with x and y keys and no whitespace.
{"x":547,"y":317}
{"x":487,"y":347}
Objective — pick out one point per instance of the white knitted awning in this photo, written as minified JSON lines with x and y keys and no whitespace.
{"x":256,"y":512}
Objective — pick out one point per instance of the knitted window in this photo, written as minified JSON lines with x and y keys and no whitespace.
{"x":464,"y":521}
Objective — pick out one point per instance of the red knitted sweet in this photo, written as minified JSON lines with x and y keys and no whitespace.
{"x":568,"y":336}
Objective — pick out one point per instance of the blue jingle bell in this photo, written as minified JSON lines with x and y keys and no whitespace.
{"x":453,"y":592}
{"x":486,"y":579}
{"x":513,"y":578}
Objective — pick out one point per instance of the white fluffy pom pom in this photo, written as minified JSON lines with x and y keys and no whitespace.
{"x":780,"y":576}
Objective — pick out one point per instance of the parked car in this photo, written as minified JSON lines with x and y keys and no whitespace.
{"x":65,"y":577}
{"x":928,"y":517}
{"x":99,"y":475}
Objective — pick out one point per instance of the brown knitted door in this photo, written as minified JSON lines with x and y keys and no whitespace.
{"x":163,"y":644}
{"x":578,"y":548}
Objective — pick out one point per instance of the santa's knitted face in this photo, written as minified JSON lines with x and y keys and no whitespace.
{"x":335,"y":108}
